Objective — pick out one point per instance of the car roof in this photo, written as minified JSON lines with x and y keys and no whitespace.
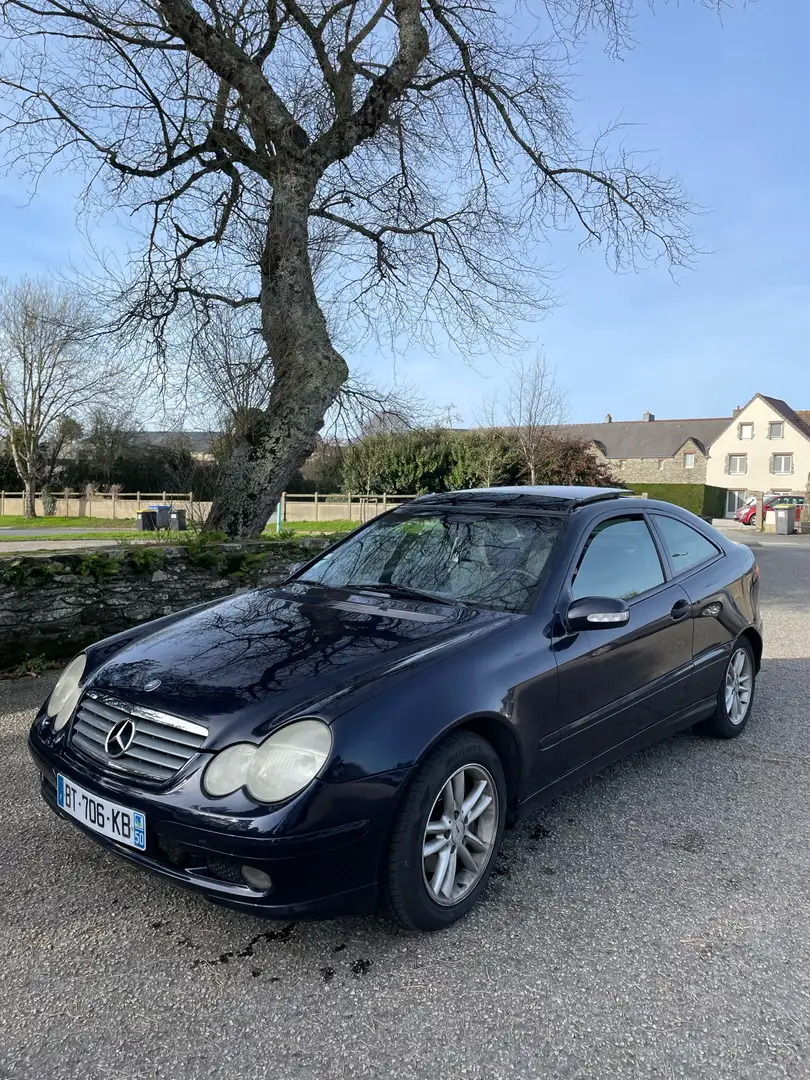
{"x":562,"y":499}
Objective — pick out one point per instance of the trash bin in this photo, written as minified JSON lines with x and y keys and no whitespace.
{"x":147,"y":521}
{"x":177,"y":521}
{"x":785,"y":516}
{"x":163,"y":515}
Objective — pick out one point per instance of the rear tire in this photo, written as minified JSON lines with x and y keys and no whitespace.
{"x":447,"y":834}
{"x":735,"y":697}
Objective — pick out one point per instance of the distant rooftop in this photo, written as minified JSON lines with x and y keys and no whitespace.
{"x":196,"y":442}
{"x":648,"y":438}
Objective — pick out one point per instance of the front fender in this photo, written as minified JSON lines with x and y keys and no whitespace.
{"x":474,"y":688}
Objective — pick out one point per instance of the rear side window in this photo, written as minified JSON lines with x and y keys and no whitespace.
{"x":619,"y":560}
{"x":685,"y":546}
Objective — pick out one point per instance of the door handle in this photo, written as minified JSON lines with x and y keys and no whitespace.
{"x":680,"y":609}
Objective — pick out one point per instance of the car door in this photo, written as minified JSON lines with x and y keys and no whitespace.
{"x":699,"y":566}
{"x":616,"y":681}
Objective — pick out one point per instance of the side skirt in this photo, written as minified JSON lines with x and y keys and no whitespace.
{"x":679,"y":722}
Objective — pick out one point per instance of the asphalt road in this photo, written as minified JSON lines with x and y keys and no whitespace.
{"x":653,"y":923}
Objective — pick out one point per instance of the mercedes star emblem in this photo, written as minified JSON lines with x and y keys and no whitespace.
{"x":120,"y":738}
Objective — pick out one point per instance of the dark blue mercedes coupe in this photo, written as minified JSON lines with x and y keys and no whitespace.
{"x":362,"y":734}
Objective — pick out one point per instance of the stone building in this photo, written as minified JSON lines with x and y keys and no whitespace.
{"x":650,"y":451}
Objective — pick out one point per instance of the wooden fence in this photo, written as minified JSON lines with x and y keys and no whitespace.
{"x":125,"y":505}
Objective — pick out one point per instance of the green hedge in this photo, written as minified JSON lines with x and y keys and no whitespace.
{"x":702,"y":499}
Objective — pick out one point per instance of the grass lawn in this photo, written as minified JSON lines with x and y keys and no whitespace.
{"x":38,"y":538}
{"x":16,"y":521}
{"x":314,"y":526}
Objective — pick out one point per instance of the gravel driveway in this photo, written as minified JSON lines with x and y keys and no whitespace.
{"x":653,"y":923}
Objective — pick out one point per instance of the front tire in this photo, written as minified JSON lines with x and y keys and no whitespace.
{"x":735,"y":698}
{"x":447,"y":834}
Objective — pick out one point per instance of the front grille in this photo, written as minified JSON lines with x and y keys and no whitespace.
{"x":161,"y":746}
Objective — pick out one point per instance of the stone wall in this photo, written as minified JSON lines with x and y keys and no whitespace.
{"x":53,"y":606}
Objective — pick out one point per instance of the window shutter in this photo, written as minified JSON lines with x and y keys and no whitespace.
{"x":790,"y":459}
{"x":728,"y":463}
{"x":771,"y":466}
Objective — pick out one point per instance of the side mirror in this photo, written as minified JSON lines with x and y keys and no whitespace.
{"x":596,"y":613}
{"x":296,"y":566}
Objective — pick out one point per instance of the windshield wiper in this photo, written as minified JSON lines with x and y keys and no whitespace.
{"x":405,"y":591}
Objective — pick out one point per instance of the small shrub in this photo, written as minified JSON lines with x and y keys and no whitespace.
{"x":31,"y":666}
{"x":201,"y":550}
{"x":48,"y":502}
{"x":15,"y":572}
{"x":98,"y":566}
{"x":146,"y":558}
{"x":249,"y":563}
{"x":29,"y":571}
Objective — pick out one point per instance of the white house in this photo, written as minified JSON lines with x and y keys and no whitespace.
{"x":765,"y":447}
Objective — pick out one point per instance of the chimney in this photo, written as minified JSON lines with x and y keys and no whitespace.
{"x":736,"y":412}
{"x":608,"y":419}
{"x":648,"y":416}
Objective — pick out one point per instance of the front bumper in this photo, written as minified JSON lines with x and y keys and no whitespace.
{"x":321,"y":872}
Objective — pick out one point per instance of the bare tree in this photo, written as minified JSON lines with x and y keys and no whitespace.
{"x":533,"y":407}
{"x":486,"y":454}
{"x":412,"y":152}
{"x":64,"y":433}
{"x":230,"y":375}
{"x":363,"y":407}
{"x":110,"y":434}
{"x":229,"y":371}
{"x":50,"y":369}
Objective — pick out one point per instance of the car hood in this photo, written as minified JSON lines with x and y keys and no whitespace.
{"x":248,"y":663}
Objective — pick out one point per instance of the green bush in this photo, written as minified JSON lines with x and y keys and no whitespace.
{"x":702,"y":499}
{"x":147,"y":558}
{"x":23,"y":571}
{"x":99,"y":565}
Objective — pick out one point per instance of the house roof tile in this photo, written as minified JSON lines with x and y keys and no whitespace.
{"x":648,"y":438}
{"x":793,"y":417}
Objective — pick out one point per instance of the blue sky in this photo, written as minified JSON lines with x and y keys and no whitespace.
{"x":722,"y":104}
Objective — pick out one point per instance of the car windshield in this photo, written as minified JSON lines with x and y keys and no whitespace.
{"x":489,"y":560}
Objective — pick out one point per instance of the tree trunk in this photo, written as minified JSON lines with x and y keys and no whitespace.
{"x":308,"y":371}
{"x":29,"y":498}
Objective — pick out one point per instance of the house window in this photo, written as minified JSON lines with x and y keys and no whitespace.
{"x":660,"y":464}
{"x":782,"y":464}
{"x":776,"y":430}
{"x":737,"y":464}
{"x":745,"y":431}
{"x":689,"y":461}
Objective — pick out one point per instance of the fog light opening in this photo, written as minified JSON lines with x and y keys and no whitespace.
{"x":256,"y":879}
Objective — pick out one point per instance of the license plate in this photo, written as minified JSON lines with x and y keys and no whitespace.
{"x":101,"y":815}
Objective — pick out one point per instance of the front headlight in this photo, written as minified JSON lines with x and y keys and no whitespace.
{"x":66,"y":693}
{"x":276,"y":769}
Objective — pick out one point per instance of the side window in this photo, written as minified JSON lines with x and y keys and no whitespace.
{"x":685,"y":546}
{"x":619,"y":560}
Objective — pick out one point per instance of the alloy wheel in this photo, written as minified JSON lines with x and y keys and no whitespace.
{"x":739,"y":686}
{"x":460,"y":834}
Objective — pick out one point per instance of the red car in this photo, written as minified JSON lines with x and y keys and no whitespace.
{"x":747,"y":513}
